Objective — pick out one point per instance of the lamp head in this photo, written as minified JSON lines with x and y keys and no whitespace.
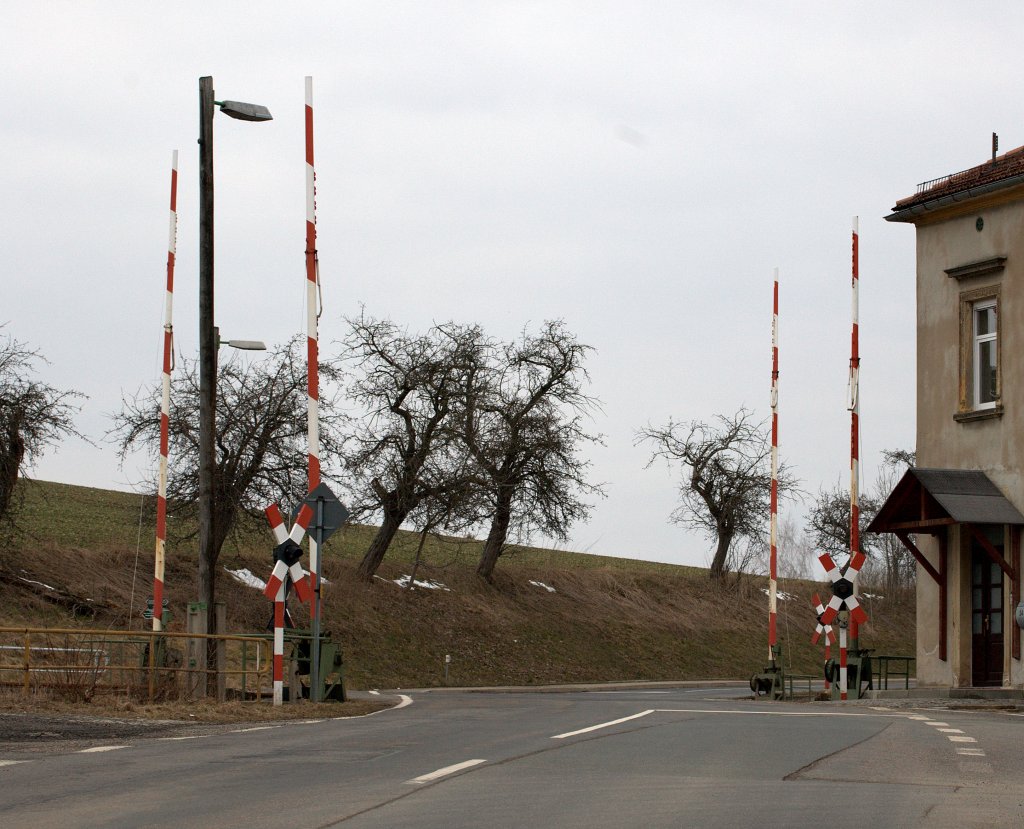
{"x":245,"y":112}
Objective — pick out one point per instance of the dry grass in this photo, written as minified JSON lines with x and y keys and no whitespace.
{"x":196,"y":712}
{"x":610,"y":619}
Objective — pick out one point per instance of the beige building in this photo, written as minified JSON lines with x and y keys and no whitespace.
{"x":959,"y":511}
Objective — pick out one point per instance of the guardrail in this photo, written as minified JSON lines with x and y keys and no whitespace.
{"x":80,"y":663}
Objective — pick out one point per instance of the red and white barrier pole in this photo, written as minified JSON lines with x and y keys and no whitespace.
{"x":774,"y":521}
{"x":165,"y":408}
{"x":312,"y":319}
{"x":313,"y":380}
{"x":856,"y":557}
{"x":312,"y":339}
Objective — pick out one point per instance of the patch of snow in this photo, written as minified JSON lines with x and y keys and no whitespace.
{"x":403,"y":581}
{"x":33,"y":581}
{"x":780,"y":595}
{"x":547,"y":587}
{"x":245,"y":576}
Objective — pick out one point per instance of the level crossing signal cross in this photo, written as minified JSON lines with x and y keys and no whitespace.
{"x":286,"y":563}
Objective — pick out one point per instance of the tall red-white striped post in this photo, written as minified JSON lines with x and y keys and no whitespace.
{"x":165,"y":408}
{"x":313,"y":379}
{"x":855,"y":414}
{"x":774,"y":521}
{"x":312,"y":318}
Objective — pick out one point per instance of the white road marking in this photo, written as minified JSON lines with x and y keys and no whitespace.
{"x":189,"y":737}
{"x":961,"y":739}
{"x":951,"y":731}
{"x":406,"y":700}
{"x":776,"y":713}
{"x":375,"y":693}
{"x":971,"y":752}
{"x":254,"y":728}
{"x":921,"y":717}
{"x":937,"y":724}
{"x":602,"y":725}
{"x":436,"y":775}
{"x":97,"y":749}
{"x":11,"y":762}
{"x":637,"y":693}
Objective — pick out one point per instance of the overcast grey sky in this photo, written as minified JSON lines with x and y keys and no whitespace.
{"x":637,"y":169}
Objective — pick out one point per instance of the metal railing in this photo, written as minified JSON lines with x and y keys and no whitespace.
{"x":80,"y":663}
{"x":894,"y":666}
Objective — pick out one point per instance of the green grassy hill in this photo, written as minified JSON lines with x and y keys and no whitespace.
{"x":84,"y":557}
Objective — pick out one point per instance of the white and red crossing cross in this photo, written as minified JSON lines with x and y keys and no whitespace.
{"x":843,"y":588}
{"x":830,"y":635}
{"x":819,"y":610}
{"x":303,"y":587}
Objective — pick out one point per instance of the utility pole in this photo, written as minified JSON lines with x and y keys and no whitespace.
{"x":207,"y":353}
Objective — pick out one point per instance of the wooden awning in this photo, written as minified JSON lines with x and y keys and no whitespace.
{"x":927,"y":499}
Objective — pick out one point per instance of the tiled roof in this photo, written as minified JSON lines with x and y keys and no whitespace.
{"x":1005,"y":166}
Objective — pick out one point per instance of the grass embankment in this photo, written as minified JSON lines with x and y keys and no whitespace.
{"x":609,"y":619}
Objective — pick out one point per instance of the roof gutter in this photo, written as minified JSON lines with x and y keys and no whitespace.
{"x":908,"y":214}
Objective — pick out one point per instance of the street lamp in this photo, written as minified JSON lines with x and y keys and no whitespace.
{"x":208,"y":335}
{"x":241,"y":345}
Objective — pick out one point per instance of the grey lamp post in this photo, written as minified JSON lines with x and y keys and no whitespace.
{"x":208,"y":338}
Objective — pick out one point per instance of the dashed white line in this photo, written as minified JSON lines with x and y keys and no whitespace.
{"x":951,"y":731}
{"x":11,"y":762}
{"x":98,"y":749}
{"x":601,"y":725}
{"x":937,"y":724}
{"x":954,"y":739}
{"x":444,"y":772}
{"x":971,"y":752}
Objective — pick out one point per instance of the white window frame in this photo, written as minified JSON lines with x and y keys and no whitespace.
{"x":977,"y":340}
{"x":969,"y":407}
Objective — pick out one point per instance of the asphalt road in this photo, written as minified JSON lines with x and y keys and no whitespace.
{"x":671,"y":757}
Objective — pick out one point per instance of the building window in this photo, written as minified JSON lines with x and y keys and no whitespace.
{"x":984,"y":359}
{"x":980,"y":377}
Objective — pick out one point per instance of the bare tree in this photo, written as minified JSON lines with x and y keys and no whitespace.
{"x":829,"y":522}
{"x":796,"y":554}
{"x":260,"y":438}
{"x":33,"y":416}
{"x":726,"y":478}
{"x":523,"y":417}
{"x":404,"y":453}
{"x":829,"y":525}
